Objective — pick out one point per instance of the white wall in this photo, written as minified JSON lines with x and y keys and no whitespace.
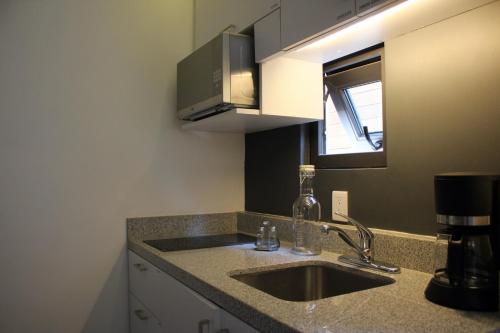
{"x":88,"y":137}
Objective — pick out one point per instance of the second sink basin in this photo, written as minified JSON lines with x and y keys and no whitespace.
{"x":312,"y":280}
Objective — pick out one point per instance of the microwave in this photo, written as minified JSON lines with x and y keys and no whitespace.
{"x":219,"y":76}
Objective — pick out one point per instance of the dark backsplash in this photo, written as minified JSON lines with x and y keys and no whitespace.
{"x":271,"y":170}
{"x":399,"y":197}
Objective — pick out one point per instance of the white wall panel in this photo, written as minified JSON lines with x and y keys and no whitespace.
{"x":88,"y":137}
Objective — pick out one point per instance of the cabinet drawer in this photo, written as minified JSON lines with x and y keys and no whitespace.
{"x":145,"y":281}
{"x":179,"y":308}
{"x":234,"y":325}
{"x":141,"y":319}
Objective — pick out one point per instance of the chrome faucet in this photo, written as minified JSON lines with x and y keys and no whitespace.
{"x":364,"y":249}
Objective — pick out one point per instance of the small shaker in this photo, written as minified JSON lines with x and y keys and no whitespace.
{"x":267,"y":239}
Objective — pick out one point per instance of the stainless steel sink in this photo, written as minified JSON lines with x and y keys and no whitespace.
{"x":311,"y":280}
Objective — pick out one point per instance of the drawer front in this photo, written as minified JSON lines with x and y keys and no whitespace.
{"x":145,"y":280}
{"x":141,"y":319}
{"x":233,"y":325}
{"x":188,"y":311}
{"x":179,"y":308}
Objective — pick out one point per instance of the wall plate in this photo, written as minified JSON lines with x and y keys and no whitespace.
{"x":339,"y":204}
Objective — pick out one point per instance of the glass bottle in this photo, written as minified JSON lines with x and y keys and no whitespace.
{"x":306,"y":236}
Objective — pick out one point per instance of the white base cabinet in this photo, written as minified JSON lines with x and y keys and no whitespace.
{"x":231,"y":324}
{"x":141,"y":319}
{"x":159,"y":303}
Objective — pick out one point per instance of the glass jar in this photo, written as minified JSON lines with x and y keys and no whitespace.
{"x":306,"y":211}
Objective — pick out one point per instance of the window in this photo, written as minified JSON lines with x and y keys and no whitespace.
{"x":352,"y":134}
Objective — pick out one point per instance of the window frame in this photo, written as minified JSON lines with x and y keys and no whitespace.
{"x":351,"y":110}
{"x":355,"y":69}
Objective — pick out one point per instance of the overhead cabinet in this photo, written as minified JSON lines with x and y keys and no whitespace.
{"x":297,"y":21}
{"x":364,"y":7}
{"x":213,"y":16}
{"x":267,"y":36}
{"x":290,"y":89}
{"x":291,"y":92}
{"x":303,"y":20}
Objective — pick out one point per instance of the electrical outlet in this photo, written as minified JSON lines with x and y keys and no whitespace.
{"x":339,"y":204}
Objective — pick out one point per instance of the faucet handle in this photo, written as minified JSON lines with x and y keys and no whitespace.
{"x":364,"y":250}
{"x":366,"y":237}
{"x":361,"y":228}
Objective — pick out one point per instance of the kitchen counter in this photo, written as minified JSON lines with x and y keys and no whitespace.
{"x":399,"y":307}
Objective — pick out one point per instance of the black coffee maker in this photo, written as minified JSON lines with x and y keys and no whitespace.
{"x":467,"y":253}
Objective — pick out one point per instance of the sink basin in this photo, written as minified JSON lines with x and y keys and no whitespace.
{"x":311,"y":280}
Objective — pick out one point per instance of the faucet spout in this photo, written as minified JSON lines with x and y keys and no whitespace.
{"x":362,"y":252}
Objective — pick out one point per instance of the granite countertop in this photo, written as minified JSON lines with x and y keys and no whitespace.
{"x":399,"y":307}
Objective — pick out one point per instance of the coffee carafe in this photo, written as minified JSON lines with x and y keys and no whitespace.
{"x":466,"y":271}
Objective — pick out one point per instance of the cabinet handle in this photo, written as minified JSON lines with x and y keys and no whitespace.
{"x":141,"y":267}
{"x":141,"y":314}
{"x":202,"y":323}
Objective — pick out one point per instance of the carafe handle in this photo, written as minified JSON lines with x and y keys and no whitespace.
{"x":455,"y":261}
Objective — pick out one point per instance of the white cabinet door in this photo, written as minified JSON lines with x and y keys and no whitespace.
{"x":186,"y":311}
{"x":302,"y":20}
{"x":141,"y":319}
{"x":267,"y":36}
{"x":160,"y":303}
{"x":291,"y":88}
{"x":144,"y":281}
{"x":233,"y":325}
{"x":178,"y":308}
{"x":364,"y":7}
{"x":213,"y":16}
